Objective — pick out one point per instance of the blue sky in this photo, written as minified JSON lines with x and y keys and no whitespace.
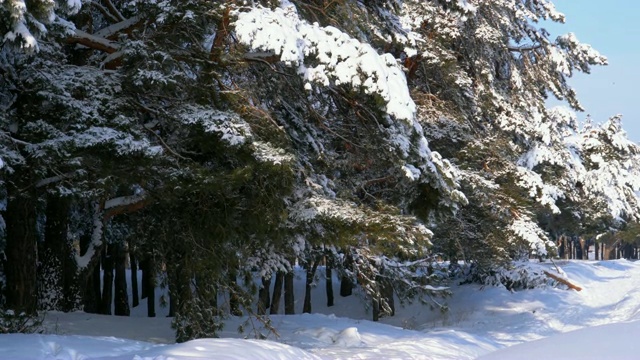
{"x":612,"y":28}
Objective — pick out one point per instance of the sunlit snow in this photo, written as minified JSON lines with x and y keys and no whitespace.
{"x":482,"y":321}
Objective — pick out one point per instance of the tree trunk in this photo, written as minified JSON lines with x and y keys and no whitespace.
{"x":59,"y":256}
{"x":561,"y":247}
{"x":121,"y":295}
{"x":107,"y":280}
{"x":21,"y":254}
{"x":149,"y":287}
{"x":277,"y":293}
{"x":328,"y":282}
{"x":145,"y":278}
{"x":263,"y":296}
{"x":596,"y":250}
{"x":289,"y":302}
{"x":375,"y":307}
{"x":91,"y":295}
{"x":134,"y":277}
{"x":346,"y":285}
{"x":311,"y":273}
{"x":234,"y":301}
{"x":90,"y":289}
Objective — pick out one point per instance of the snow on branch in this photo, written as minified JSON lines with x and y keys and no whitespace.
{"x":339,"y":57}
{"x":119,"y":27}
{"x":93,"y":41}
{"x":96,"y":238}
{"x":101,"y":40}
{"x":101,"y":213}
{"x":228,"y":125}
{"x":545,"y":194}
{"x":29,"y":19}
{"x":54,"y":179}
{"x":123,"y":201}
{"x":524,"y":228}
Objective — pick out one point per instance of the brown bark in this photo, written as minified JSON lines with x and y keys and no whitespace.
{"x":563,"y":281}
{"x":93,"y":42}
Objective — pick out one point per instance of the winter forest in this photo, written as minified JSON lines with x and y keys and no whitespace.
{"x":214,"y":147}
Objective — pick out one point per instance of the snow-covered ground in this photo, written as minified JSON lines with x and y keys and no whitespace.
{"x":599,"y":322}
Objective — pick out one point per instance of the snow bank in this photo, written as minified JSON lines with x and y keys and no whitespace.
{"x":23,"y":347}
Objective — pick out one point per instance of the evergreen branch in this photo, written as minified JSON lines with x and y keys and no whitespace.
{"x":524,"y":48}
{"x":160,"y":139}
{"x":165,"y":145}
{"x":104,"y":12}
{"x":267,"y":60}
{"x":14,"y":140}
{"x":114,"y":10}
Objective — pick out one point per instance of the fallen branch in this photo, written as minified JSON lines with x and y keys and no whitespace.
{"x":563,"y":281}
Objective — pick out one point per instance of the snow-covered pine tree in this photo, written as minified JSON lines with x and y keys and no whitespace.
{"x":502,"y":65}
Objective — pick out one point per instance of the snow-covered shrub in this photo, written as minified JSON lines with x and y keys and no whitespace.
{"x":198,"y":319}
{"x":518,"y":275}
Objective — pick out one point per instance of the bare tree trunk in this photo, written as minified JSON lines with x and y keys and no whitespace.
{"x":311,"y":273}
{"x":329,"y":282}
{"x":346,"y":285}
{"x":121,"y":296}
{"x":263,"y":296}
{"x":277,"y":293}
{"x":134,"y":277}
{"x":149,"y":285}
{"x":58,"y":255}
{"x":21,"y":254}
{"x":145,"y":278}
{"x":107,"y":280}
{"x":561,"y":247}
{"x":375,"y":307}
{"x":596,"y":250}
{"x":289,"y":303}
{"x":91,"y":294}
{"x":234,"y":301}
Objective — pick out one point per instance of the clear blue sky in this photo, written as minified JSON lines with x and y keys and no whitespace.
{"x":612,"y":28}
